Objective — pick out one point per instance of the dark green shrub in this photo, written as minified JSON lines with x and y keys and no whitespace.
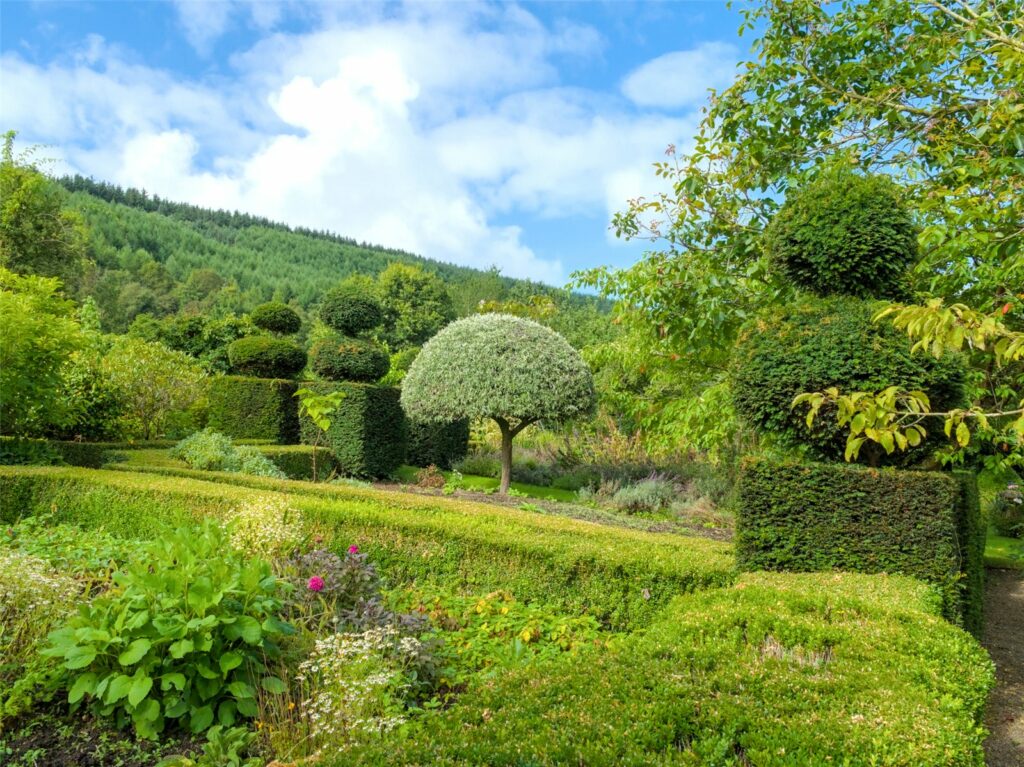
{"x":266,"y":357}
{"x":1007,"y":512}
{"x":276,"y":317}
{"x":91,"y":455}
{"x":844,"y":234}
{"x":821,"y":343}
{"x":441,"y":445}
{"x":350,"y":359}
{"x":813,"y":517}
{"x":368,"y":431}
{"x":350,"y":310}
{"x":254,"y":408}
{"x":296,"y":461}
{"x":15,"y":451}
{"x":185,"y":637}
{"x":971,"y":534}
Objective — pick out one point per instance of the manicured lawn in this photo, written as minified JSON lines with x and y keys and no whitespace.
{"x":470,"y":482}
{"x":1004,"y":552}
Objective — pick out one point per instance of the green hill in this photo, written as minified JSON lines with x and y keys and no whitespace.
{"x":160,"y":257}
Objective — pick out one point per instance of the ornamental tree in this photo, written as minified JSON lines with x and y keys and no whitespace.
{"x":509,"y":369}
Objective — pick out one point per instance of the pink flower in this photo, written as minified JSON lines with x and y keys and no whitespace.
{"x":316,"y":583}
{"x":353,"y":549}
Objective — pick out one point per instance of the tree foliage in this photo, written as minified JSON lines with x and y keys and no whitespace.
{"x":416,"y":305}
{"x":926,"y":91}
{"x":153,"y":381}
{"x":497,"y":366}
{"x":350,"y":310}
{"x":39,"y":334}
{"x":38,"y":235}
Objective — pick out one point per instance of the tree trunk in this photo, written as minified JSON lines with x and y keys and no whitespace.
{"x":506,"y":456}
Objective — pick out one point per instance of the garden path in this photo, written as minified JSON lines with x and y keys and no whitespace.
{"x":1004,"y":639}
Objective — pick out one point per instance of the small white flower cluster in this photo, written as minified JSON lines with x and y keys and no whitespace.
{"x":265,"y":527}
{"x":356,"y":683}
{"x":32,"y":599}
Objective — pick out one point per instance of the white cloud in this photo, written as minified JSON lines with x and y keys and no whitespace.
{"x":415,"y":131}
{"x":682,"y":78}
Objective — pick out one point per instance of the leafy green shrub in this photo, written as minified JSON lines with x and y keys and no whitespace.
{"x":349,"y":359}
{"x":439,"y":445}
{"x":266,"y":357}
{"x":254,"y":408}
{"x":844,"y":234}
{"x":650,"y":495}
{"x":814,"y":517}
{"x":479,"y":465}
{"x":350,"y":310}
{"x":780,"y":670}
{"x":368,"y":431}
{"x":1007,"y":512}
{"x":91,"y":455}
{"x":276,"y":317}
{"x":208,"y":450}
{"x":813,"y":345}
{"x":184,"y":637}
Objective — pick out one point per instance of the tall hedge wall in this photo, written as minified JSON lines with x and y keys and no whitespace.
{"x":255,"y":408}
{"x":813,"y":517}
{"x":441,"y":445}
{"x":368,"y":432}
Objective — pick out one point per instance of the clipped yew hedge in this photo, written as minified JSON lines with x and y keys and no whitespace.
{"x":814,"y":517}
{"x":368,"y":431}
{"x":437,"y":444}
{"x":254,"y":408}
{"x":297,"y":461}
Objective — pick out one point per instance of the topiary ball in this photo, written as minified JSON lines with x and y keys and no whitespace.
{"x":844,"y":234}
{"x":350,"y":310}
{"x":833,"y":342}
{"x":350,"y":359}
{"x":276,"y":317}
{"x":266,"y":357}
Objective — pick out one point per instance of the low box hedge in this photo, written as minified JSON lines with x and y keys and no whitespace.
{"x":781,"y":670}
{"x":254,"y":408}
{"x":441,"y":445}
{"x":772,"y":669}
{"x":297,"y":461}
{"x":368,"y":432}
{"x":622,"y":576}
{"x":813,"y":517}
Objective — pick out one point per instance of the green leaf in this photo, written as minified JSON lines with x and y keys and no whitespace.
{"x":241,"y":690}
{"x":79,"y":656}
{"x":141,"y":685}
{"x":249,"y":629}
{"x":118,"y":688}
{"x":230,"y":660}
{"x":135,"y":652}
{"x":147,"y":711}
{"x":273,"y":684}
{"x":201,"y":719}
{"x":963,"y":434}
{"x":174,"y":679}
{"x":181,"y":648}
{"x":85,"y":684}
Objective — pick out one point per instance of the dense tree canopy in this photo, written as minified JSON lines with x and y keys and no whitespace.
{"x":926,"y":91}
{"x":37,"y":235}
{"x":416,"y":305}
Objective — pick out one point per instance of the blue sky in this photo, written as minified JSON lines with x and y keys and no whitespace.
{"x":477,"y":133}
